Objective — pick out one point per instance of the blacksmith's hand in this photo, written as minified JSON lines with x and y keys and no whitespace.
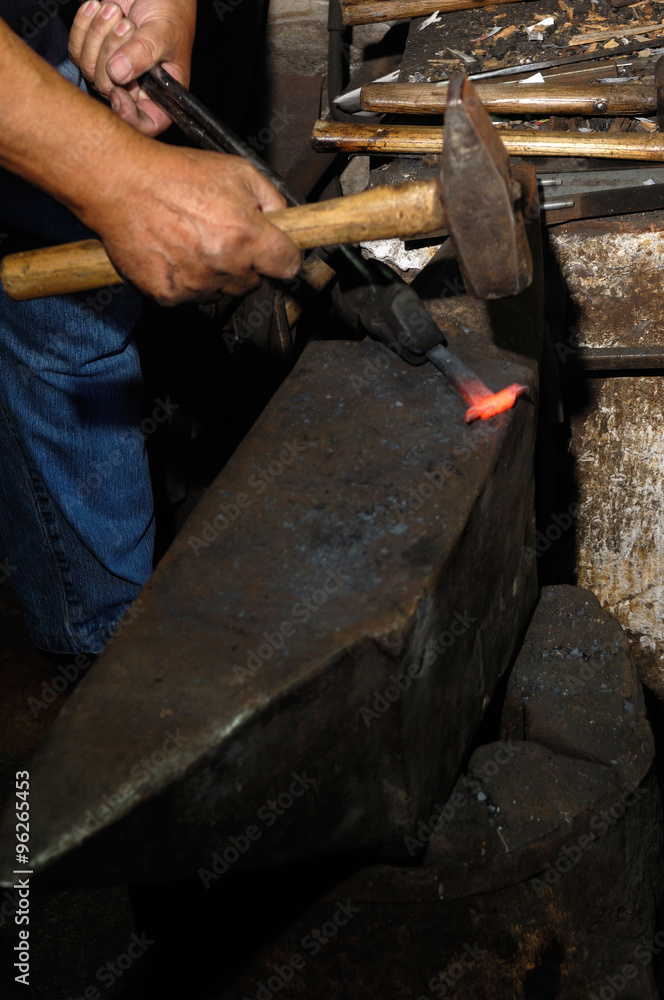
{"x":189,"y":225}
{"x":115,"y":43}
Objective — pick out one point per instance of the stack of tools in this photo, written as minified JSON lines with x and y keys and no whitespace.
{"x":567,"y":80}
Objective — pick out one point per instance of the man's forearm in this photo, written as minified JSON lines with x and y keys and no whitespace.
{"x":183,"y":224}
{"x":56,"y":137}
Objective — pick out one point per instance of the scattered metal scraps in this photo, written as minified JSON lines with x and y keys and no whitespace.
{"x":463,"y":55}
{"x":537,"y":32}
{"x":434,"y":19}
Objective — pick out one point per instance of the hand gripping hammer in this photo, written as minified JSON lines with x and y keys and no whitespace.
{"x":474,"y":197}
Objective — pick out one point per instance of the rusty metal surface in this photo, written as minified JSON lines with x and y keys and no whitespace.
{"x":479,"y":199}
{"x":606,"y":201}
{"x":323,"y":564}
{"x":613,"y":269}
{"x":618,"y":448}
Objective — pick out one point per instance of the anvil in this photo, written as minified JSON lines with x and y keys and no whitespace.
{"x":307,"y":666}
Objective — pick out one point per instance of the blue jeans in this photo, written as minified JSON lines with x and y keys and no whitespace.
{"x":76,"y":511}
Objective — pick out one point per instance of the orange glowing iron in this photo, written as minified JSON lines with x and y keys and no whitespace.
{"x":483,"y":402}
{"x":477,"y":180}
{"x":484,"y":214}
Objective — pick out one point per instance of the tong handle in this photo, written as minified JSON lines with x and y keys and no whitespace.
{"x":401,"y":210}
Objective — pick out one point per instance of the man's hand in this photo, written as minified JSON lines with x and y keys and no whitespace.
{"x":182,"y":224}
{"x":115,"y":43}
{"x":190,"y":226}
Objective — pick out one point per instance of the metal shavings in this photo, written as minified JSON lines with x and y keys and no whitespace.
{"x":434,"y":19}
{"x":463,"y":55}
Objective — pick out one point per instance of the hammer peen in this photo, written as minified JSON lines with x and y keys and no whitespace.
{"x":474,"y":197}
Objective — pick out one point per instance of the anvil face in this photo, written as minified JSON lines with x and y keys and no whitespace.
{"x":305,"y":669}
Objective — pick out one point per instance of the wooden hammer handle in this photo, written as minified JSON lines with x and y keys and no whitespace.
{"x":372,"y":11}
{"x":520,"y":98}
{"x":421,"y":139}
{"x":381,"y":213}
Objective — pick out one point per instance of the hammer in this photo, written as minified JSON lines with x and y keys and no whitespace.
{"x":474,"y":197}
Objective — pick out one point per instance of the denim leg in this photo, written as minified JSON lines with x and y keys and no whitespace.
{"x":76,"y":513}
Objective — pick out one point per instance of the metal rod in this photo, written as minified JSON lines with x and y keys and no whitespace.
{"x":483,"y":402}
{"x":550,"y":206}
{"x":166,"y":91}
{"x":534,"y":67}
{"x":197,"y":122}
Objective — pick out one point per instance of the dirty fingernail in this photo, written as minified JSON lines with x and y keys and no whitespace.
{"x":121,"y":68}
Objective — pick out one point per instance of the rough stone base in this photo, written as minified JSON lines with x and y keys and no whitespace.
{"x":544,"y":868}
{"x":613,"y":268}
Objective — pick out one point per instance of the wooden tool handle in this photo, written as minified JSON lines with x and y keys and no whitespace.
{"x":381,"y":213}
{"x":372,"y":11}
{"x":421,"y":139}
{"x":71,"y":267}
{"x":611,"y":145}
{"x":520,"y":98}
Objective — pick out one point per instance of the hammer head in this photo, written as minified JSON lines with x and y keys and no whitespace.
{"x":479,"y":199}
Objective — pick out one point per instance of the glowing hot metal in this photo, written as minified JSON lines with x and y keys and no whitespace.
{"x":483,"y":402}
